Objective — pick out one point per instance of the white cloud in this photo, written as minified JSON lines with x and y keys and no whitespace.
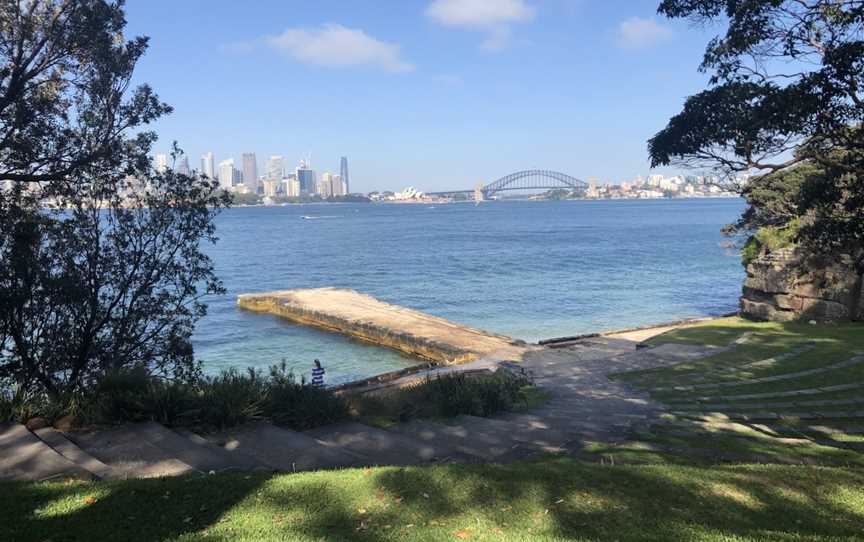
{"x":638,"y":33}
{"x":491,"y":16}
{"x":334,"y":45}
{"x":479,"y":13}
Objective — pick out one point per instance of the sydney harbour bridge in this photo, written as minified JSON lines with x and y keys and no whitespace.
{"x":531,"y":179}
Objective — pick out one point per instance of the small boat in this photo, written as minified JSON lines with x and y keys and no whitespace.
{"x":307,"y":217}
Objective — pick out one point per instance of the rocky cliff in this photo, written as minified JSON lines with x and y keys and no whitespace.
{"x":787,"y":285}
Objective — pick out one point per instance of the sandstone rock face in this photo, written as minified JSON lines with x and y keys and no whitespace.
{"x":787,"y":285}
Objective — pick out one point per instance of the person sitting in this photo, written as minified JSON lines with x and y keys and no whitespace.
{"x":318,"y":375}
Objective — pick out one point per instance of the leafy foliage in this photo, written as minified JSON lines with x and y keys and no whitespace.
{"x":101,"y":267}
{"x":785,"y":97}
{"x":447,"y":396}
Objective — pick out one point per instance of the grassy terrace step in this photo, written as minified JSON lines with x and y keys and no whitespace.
{"x":770,"y":406}
{"x":834,"y":390}
{"x":852,"y":362}
{"x":545,"y":500}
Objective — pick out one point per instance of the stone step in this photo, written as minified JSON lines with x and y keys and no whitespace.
{"x":283,"y":449}
{"x":485,"y":443}
{"x":195,"y":451}
{"x":23,"y":456}
{"x":545,"y":439}
{"x":578,"y":427}
{"x":71,"y":451}
{"x":128,"y":452}
{"x":382,"y":447}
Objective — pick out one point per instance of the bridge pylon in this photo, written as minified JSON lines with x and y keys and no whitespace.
{"x":478,"y":192}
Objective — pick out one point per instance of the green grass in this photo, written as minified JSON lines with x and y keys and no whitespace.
{"x":547,"y":499}
{"x":833,"y":343}
{"x":679,"y":481}
{"x":720,"y":442}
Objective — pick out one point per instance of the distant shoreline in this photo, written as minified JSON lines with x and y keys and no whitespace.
{"x":484,"y":202}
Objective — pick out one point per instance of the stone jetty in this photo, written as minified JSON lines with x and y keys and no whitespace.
{"x":368,"y":319}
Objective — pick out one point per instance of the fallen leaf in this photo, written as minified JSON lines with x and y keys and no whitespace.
{"x":89,"y":499}
{"x":361,"y":511}
{"x":463,"y":534}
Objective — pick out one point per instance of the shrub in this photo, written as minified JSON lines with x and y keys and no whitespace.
{"x":770,"y":239}
{"x":295,"y":404}
{"x":231,"y":398}
{"x":447,"y":396}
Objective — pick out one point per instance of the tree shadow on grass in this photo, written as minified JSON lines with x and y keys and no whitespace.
{"x":562,"y":499}
{"x":151,"y":509}
{"x":549,"y":498}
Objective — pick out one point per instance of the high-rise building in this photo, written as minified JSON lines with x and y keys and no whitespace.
{"x":325,"y":185}
{"x":207,"y":164}
{"x":339,"y":188}
{"x":226,"y":174}
{"x":250,"y":172}
{"x":161,"y":163}
{"x":306,"y":178}
{"x":291,"y":187}
{"x":331,"y":185}
{"x":183,"y":168}
{"x":276,"y":168}
{"x":343,"y":173}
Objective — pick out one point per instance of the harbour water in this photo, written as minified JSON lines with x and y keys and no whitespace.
{"x":529,"y":270}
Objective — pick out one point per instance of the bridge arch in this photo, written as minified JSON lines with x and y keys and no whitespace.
{"x":533,"y":179}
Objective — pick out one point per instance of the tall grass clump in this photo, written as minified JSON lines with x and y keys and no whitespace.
{"x":293,"y":403}
{"x":231,"y":398}
{"x":447,"y":396}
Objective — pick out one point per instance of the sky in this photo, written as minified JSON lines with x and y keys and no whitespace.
{"x":436,"y":94}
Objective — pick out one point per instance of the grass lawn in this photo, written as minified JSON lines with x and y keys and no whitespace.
{"x":543,"y":499}
{"x":687,"y":478}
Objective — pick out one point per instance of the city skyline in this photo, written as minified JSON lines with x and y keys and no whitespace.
{"x":421,"y":95}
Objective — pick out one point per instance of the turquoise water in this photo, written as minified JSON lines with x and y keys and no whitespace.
{"x":530,"y":270}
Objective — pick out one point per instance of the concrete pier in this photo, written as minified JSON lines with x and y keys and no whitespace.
{"x":363,"y":317}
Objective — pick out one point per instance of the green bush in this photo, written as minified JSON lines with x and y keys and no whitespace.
{"x":447,"y":396}
{"x":231,"y":398}
{"x":770,"y":239}
{"x":293,"y":403}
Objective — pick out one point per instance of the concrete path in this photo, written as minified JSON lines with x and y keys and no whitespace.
{"x":585,"y":406}
{"x":23,"y":456}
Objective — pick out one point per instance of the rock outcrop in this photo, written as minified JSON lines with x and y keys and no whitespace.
{"x":788,"y":285}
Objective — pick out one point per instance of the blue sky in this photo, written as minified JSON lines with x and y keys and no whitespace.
{"x":439,"y":94}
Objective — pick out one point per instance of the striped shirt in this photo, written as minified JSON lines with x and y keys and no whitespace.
{"x":318,"y":377}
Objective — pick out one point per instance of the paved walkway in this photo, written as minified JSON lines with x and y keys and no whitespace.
{"x":585,"y":406}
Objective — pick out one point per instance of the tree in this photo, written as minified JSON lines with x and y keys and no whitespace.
{"x":101,"y":266}
{"x":787,"y":88}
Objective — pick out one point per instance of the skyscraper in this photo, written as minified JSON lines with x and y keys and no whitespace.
{"x":306,"y":178}
{"x":207,"y":165}
{"x":226,"y":174}
{"x":250,"y":172}
{"x":161,"y":163}
{"x":343,"y":172}
{"x":183,"y":168}
{"x":275,"y":168}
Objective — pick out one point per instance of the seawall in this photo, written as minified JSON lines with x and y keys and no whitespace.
{"x":368,"y":319}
